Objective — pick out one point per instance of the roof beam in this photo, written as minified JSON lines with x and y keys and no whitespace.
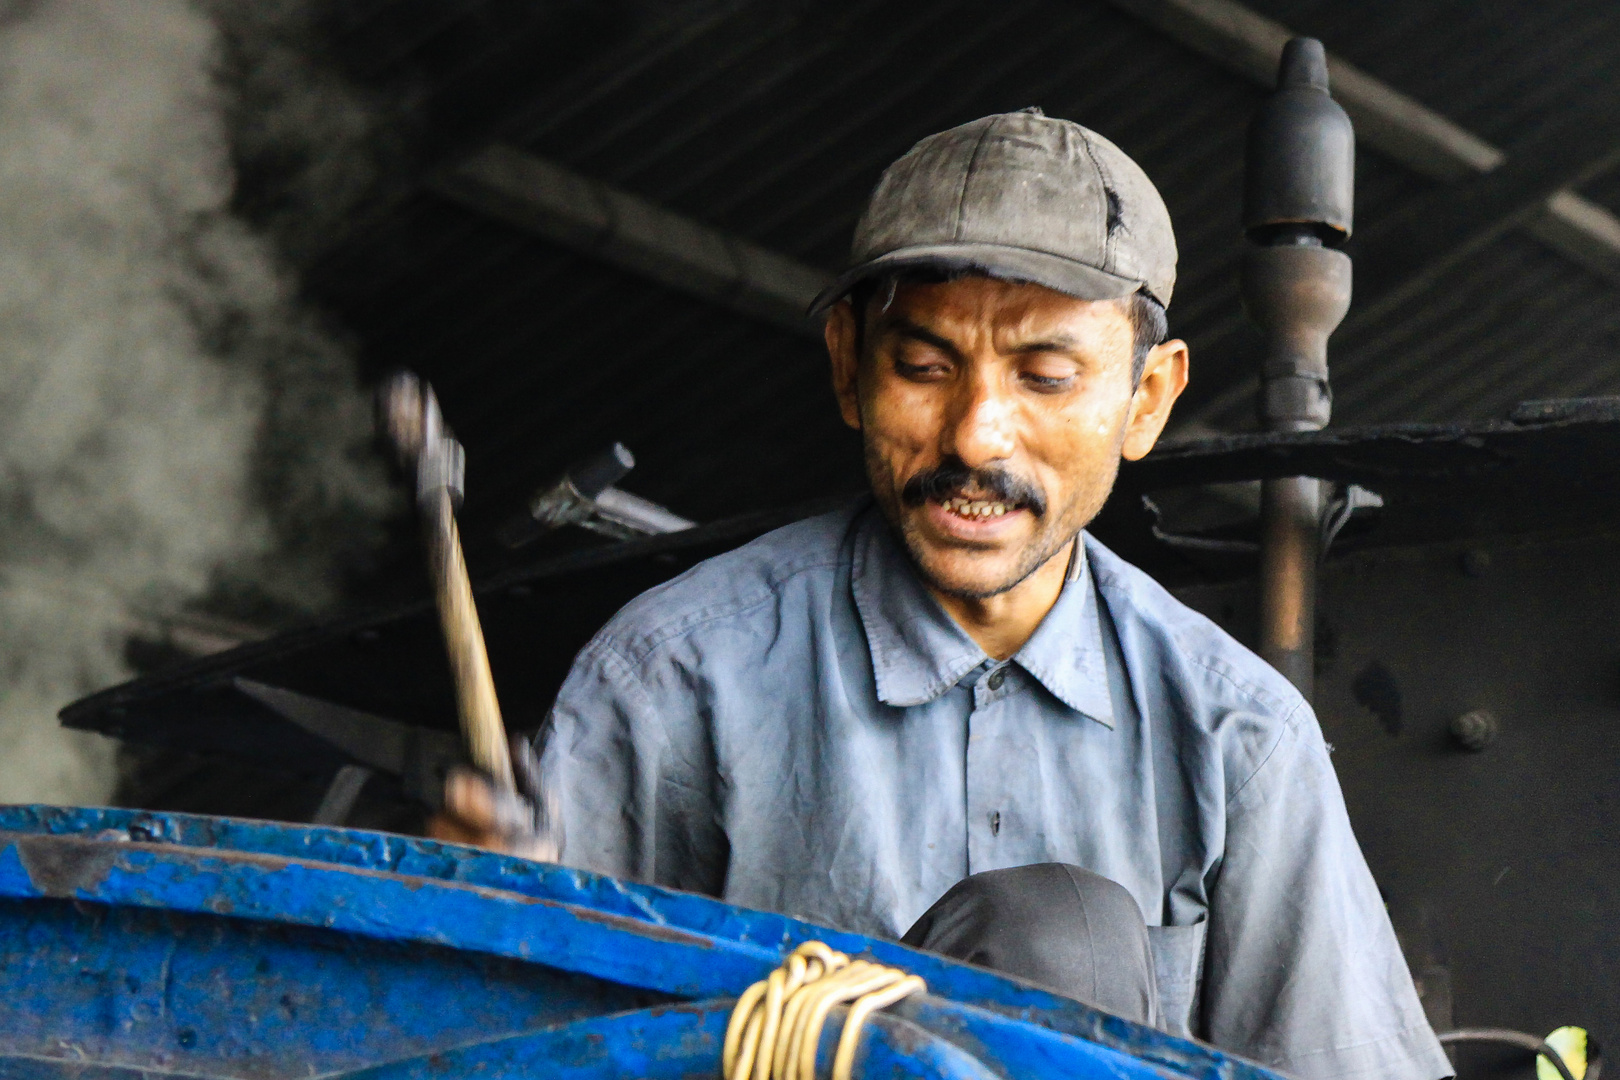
{"x":633,"y":234}
{"x":1387,"y":120}
{"x":1407,"y":251}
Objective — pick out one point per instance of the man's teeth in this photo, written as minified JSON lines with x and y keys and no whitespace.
{"x":976,"y":508}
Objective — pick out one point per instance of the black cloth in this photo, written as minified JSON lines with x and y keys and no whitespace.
{"x":1066,"y":929}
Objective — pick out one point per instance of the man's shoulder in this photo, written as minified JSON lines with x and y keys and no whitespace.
{"x":1210,"y":669}
{"x":738,"y":586}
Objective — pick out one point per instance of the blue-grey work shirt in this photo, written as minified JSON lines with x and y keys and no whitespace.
{"x":798,"y":726}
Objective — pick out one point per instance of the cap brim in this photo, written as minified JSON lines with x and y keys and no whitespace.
{"x":1063,"y":275}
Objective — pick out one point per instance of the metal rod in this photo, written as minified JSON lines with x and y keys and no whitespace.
{"x":1290,"y":516}
{"x":341,"y":795}
{"x":1298,"y":195}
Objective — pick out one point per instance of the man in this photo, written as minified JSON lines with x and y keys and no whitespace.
{"x":949,"y":711}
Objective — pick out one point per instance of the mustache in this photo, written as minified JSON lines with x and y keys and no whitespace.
{"x":953,"y":476}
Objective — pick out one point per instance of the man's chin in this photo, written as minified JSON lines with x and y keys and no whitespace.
{"x":977,"y":571}
{"x":960,"y":574}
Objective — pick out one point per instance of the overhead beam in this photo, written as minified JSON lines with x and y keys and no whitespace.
{"x":1423,"y":140}
{"x":1407,"y":251}
{"x":636,"y":235}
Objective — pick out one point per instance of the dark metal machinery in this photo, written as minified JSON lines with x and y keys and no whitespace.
{"x":1299,"y":189}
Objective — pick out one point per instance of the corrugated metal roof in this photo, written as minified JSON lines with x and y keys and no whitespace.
{"x":772,"y":120}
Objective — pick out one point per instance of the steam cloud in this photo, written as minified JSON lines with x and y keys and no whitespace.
{"x":173,"y":427}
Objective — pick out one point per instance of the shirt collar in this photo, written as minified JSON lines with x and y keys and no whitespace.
{"x":1066,"y":651}
{"x":919,"y":652}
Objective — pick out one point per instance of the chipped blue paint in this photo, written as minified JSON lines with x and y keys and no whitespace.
{"x":139,"y":944}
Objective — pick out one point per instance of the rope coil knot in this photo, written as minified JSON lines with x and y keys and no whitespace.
{"x":776,"y":1025}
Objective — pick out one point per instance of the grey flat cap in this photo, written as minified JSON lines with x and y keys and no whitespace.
{"x":1023,"y":197}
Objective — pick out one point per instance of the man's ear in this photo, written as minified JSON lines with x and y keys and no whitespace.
{"x":1164,"y":377}
{"x":842,"y":350}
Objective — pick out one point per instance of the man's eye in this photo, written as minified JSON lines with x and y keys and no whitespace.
{"x":923,"y":369}
{"x":1047,"y":383}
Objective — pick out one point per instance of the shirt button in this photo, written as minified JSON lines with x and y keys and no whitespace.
{"x":997,"y":677}
{"x":995,"y":822}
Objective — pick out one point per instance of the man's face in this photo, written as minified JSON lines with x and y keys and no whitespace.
{"x":994,"y":416}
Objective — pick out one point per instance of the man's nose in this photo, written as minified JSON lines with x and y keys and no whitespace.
{"x":980,"y":426}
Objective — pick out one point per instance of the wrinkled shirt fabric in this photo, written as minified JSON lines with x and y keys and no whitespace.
{"x":798,"y":726}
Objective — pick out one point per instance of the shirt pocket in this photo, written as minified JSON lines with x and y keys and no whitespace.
{"x":1178,"y":968}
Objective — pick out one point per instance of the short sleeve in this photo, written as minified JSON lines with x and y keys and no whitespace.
{"x":629,"y":774}
{"x":1303,"y":972}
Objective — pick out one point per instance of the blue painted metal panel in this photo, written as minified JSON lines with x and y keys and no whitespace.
{"x":669,"y":1044}
{"x":167,"y":989}
{"x":177,"y":945}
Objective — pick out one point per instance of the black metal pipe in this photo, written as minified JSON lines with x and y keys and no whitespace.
{"x":1511,"y":1038}
{"x":1297,"y":207}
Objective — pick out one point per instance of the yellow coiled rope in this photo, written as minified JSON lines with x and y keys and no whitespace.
{"x":776,"y":1026}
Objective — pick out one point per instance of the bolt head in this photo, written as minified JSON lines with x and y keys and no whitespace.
{"x":1475,"y":730}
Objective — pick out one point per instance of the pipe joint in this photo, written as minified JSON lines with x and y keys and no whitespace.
{"x":1297,"y":294}
{"x":1296,"y":289}
{"x":1296,"y":403}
